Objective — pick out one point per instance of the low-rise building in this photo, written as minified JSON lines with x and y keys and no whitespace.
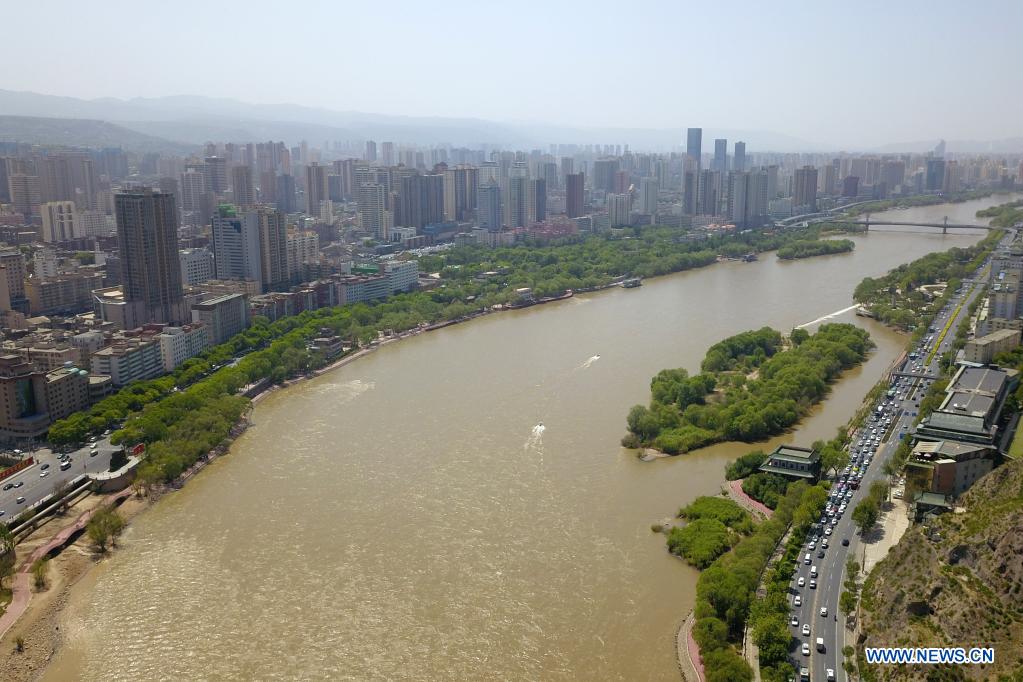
{"x":223,"y":316}
{"x":64,"y":293}
{"x":178,"y":344}
{"x":983,"y":349}
{"x":948,"y":467}
{"x":129,"y":359}
{"x":793,"y":462}
{"x":31,"y":400}
{"x":972,"y":406}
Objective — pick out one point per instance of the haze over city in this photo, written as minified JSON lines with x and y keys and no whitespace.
{"x":834,"y":76}
{"x":526,"y":341}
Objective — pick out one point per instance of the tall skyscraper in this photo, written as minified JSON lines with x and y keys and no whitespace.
{"x":243,"y":186}
{"x":739,"y":158}
{"x":574,"y":183}
{"x":804,"y":189}
{"x":690,"y":192}
{"x":720,"y":155}
{"x":935,"y":173}
{"x":371,"y":151}
{"x":694,"y":144}
{"x":489,"y":211}
{"x":537,"y":201}
{"x":387,"y":153}
{"x":147,"y":233}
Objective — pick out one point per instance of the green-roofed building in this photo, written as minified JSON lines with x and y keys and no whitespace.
{"x":800,"y":464}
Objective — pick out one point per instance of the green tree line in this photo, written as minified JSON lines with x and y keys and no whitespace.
{"x":815,"y":247}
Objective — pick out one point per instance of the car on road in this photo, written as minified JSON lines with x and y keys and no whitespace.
{"x":19,"y":484}
{"x":44,"y":474}
{"x":801,"y":582}
{"x":813,"y":584}
{"x":798,"y":601}
{"x":8,"y":486}
{"x":794,"y":622}
{"x":824,"y":612}
{"x":831,"y":675}
{"x":806,"y":630}
{"x":20,"y":500}
{"x":845,"y":542}
{"x":820,"y":554}
{"x":2,"y":512}
{"x":45,"y":467}
{"x":806,"y":649}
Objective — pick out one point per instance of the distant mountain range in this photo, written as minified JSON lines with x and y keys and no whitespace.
{"x":77,"y":132}
{"x":193,"y":120}
{"x":1009,"y":145}
{"x":165,"y":123}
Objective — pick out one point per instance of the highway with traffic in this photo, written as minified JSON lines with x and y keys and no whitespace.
{"x":34,"y":483}
{"x":817,"y":625}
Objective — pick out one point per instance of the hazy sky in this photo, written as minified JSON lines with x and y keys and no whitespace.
{"x":834,"y":72}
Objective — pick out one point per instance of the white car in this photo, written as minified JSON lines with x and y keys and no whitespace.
{"x":801,"y":582}
{"x":798,"y":601}
{"x":806,"y":649}
{"x":795,"y":621}
{"x":813,"y":584}
{"x":824,"y":612}
{"x":806,"y":630}
{"x":831,"y":675}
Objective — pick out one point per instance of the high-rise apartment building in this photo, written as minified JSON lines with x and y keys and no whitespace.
{"x":460,"y":192}
{"x":147,"y":233}
{"x":58,"y":221}
{"x":604,"y":171}
{"x":517,"y":205}
{"x":25,"y":194}
{"x":243,"y":186}
{"x":373,"y":210}
{"x":804,"y":190}
{"x":316,"y":189}
{"x":371,"y":151}
{"x":537,"y":200}
{"x":489,"y":212}
{"x":935,"y":174}
{"x":68,"y":176}
{"x":574,"y":189}
{"x":648,"y":191}
{"x":216,"y":174}
{"x":619,"y":210}
{"x":720,"y":163}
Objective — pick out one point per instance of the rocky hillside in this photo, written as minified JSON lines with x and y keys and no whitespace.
{"x":956,"y":582}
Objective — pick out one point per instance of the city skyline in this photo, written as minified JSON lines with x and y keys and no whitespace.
{"x":853,"y":90}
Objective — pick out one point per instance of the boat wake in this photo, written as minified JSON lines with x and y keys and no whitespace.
{"x":535,"y":440}
{"x":829,"y":316}
{"x":589,"y":362}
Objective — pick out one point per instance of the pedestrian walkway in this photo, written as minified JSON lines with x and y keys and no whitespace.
{"x":689,"y":659}
{"x":22,"y":585}
{"x":745,"y":501}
